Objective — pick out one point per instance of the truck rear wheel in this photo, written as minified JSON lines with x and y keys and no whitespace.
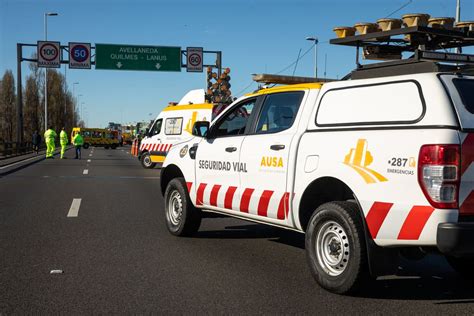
{"x":146,"y":161}
{"x":182,"y":218}
{"x":335,"y":247}
{"x":462,"y":265}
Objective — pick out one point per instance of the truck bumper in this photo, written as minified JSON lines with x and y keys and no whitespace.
{"x":456,"y":239}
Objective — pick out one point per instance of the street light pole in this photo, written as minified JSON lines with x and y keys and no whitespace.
{"x":46,"y":71}
{"x":315,"y":40}
{"x":74,"y":102}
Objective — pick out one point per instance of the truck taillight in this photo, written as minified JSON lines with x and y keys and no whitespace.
{"x":438,"y":174}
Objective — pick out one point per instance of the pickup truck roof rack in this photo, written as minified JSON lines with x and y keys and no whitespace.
{"x":280,"y":79}
{"x":423,"y":42}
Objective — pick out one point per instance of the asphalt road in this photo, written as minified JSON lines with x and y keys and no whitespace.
{"x":117,"y":256}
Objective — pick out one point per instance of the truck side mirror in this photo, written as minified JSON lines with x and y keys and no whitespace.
{"x":201,"y":128}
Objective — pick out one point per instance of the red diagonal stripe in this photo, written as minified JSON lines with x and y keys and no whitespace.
{"x":467,"y":207}
{"x":214,"y":193}
{"x":415,"y":222}
{"x":283,"y":206}
{"x":467,"y":152}
{"x":229,"y":196}
{"x":245,"y":201}
{"x":376,"y":216}
{"x":262,"y":208}
{"x":189,"y":185}
{"x":200,"y":193}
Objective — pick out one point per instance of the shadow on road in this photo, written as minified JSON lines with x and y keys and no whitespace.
{"x":429,"y":279}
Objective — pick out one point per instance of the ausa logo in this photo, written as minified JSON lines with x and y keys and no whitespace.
{"x":183,"y":151}
{"x":359,"y":158}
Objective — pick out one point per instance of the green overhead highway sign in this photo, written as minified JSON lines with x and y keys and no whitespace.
{"x":133,"y":57}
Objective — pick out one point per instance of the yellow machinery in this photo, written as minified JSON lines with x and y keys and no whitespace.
{"x":97,"y":137}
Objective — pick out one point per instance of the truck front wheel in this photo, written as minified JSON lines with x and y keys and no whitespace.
{"x":146,"y":161}
{"x":182,"y":218}
{"x":335,"y":247}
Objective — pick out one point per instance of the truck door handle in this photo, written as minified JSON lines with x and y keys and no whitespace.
{"x":277,"y":147}
{"x":230,"y":149}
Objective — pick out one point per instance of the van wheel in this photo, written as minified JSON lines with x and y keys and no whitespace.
{"x":335,"y":247}
{"x":146,"y":161}
{"x":463,"y":266}
{"x":85,"y":145}
{"x":182,"y":218}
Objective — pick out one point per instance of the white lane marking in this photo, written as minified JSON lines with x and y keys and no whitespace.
{"x":16,"y":163}
{"x":90,"y":155}
{"x":88,"y":160}
{"x":86,"y":171}
{"x":74,"y":209}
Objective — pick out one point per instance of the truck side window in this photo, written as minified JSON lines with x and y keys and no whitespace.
{"x":234,"y":123}
{"x":173,"y":126}
{"x":279,"y":112}
{"x":156,"y":129}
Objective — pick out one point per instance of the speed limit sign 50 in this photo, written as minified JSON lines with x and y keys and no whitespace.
{"x":49,"y":54}
{"x":80,"y":55}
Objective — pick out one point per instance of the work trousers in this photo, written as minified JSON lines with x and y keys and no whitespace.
{"x":50,"y":147}
{"x":63,"y":149}
{"x":78,"y":152}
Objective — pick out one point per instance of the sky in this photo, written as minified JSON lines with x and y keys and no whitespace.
{"x":255,"y":36}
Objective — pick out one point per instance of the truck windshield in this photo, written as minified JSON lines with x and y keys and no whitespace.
{"x":465,"y":89}
{"x":156,"y":128}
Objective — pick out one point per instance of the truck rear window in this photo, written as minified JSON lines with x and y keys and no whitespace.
{"x":465,"y":89}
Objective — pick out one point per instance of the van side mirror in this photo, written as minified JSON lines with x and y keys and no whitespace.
{"x":201,"y":128}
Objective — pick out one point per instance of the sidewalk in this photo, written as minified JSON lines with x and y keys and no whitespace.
{"x":12,"y":164}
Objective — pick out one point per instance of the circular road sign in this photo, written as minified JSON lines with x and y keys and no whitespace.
{"x":49,"y":52}
{"x":195,"y":59}
{"x":79,"y":53}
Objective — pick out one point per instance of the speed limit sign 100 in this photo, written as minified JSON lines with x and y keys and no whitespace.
{"x":49,"y":54}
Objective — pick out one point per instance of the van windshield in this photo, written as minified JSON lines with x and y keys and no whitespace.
{"x":156,"y":128}
{"x":465,"y":89}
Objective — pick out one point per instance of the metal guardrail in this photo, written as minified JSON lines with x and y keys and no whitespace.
{"x":12,"y":149}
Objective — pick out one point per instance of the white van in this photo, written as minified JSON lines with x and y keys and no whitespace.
{"x":174,"y":124}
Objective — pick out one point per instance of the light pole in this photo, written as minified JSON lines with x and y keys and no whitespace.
{"x":74,"y":102}
{"x":82,"y":118}
{"x":315,"y":40}
{"x":46,"y":71}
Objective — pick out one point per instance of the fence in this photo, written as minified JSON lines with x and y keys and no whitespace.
{"x":12,"y":149}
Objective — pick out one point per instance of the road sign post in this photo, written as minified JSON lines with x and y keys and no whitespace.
{"x":194,"y":59}
{"x":133,"y":57}
{"x":80,"y":55}
{"x":49,"y":54}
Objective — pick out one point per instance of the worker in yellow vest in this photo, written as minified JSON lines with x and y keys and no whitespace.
{"x":78,"y":141}
{"x":49,"y":137}
{"x":63,"y":142}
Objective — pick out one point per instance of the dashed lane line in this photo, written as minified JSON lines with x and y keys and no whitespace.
{"x":74,"y":209}
{"x":88,"y":160}
{"x":86,"y":171}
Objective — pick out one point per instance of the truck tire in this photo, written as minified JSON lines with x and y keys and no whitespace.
{"x":85,"y":145}
{"x":146,"y":161}
{"x":463,"y":266}
{"x":106,"y":146}
{"x":335,"y":247}
{"x":182,"y":218}
{"x":114,"y":146}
